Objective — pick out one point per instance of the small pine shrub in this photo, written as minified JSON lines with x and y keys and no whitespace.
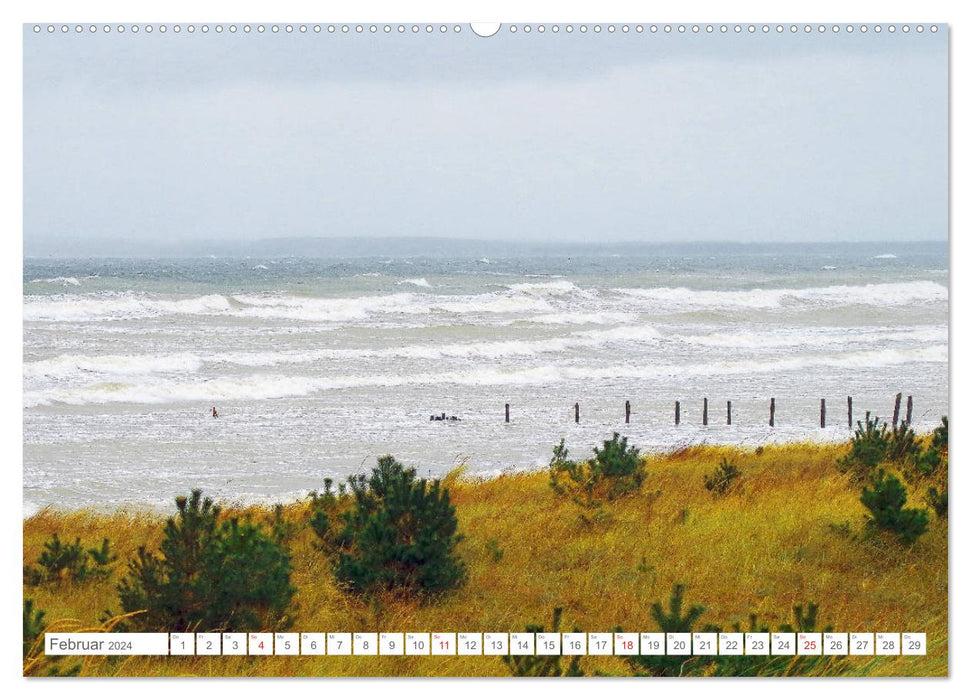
{"x":495,"y":552}
{"x":927,"y":464}
{"x":615,"y":470}
{"x":33,"y":625}
{"x":541,"y":665}
{"x":103,"y":558}
{"x":806,"y":618}
{"x":36,"y":663}
{"x":885,"y":501}
{"x":615,"y":460}
{"x":209,"y":575}
{"x":903,"y":447}
{"x":937,"y":501}
{"x":399,"y":534}
{"x":324,"y":515}
{"x":874,"y":442}
{"x":725,"y":479}
{"x":675,"y":619}
{"x":939,"y":438}
{"x":281,"y":529}
{"x":932,"y":462}
{"x":62,"y":561}
{"x":869,"y":447}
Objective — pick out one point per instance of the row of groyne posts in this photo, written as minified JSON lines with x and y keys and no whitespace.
{"x":728,"y":414}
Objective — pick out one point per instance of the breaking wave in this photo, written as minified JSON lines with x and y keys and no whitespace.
{"x":885,"y":294}
{"x":555,"y":302}
{"x":418,"y":282}
{"x":264,"y":386}
{"x":63,"y":281}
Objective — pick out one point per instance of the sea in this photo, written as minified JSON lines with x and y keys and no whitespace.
{"x":316,"y":367}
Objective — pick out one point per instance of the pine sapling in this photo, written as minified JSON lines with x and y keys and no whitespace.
{"x":399,"y":534}
{"x":674,"y":619}
{"x":885,"y":501}
{"x":725,"y":479}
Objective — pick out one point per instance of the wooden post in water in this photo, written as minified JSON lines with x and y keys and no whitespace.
{"x":849,"y":412}
{"x":729,"y":416}
{"x":896,"y":410}
{"x":772,"y":412}
{"x":822,"y":413}
{"x":910,"y":408}
{"x":677,"y":413}
{"x":627,"y":412}
{"x":704,"y":413}
{"x":576,"y":413}
{"x":507,"y":413}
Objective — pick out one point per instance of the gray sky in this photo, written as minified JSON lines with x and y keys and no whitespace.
{"x":527,"y":137}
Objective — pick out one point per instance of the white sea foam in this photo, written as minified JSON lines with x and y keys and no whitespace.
{"x":75,"y":366}
{"x":885,"y":294}
{"x":803,"y":337}
{"x":359,"y":308}
{"x":638,"y":334}
{"x":493,"y":304}
{"x":557,"y":300}
{"x":72,"y":366}
{"x":418,"y":282}
{"x":115,"y":307}
{"x":324,"y":309}
{"x":885,"y":256}
{"x":556,"y":288}
{"x":317,"y":372}
{"x":79,"y":308}
{"x":261,"y":386}
{"x":63,"y":281}
{"x":580,"y":318}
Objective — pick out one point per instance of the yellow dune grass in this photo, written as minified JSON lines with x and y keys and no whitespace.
{"x":790,"y":536}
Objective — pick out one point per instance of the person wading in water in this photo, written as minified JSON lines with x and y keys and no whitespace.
{"x":215,"y":414}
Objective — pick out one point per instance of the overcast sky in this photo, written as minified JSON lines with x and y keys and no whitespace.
{"x":527,"y":137}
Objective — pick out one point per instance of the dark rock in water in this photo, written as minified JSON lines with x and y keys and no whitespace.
{"x":444,"y":417}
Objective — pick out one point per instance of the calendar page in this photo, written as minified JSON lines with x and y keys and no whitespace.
{"x":449,"y":349}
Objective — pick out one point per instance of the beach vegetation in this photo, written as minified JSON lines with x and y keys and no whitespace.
{"x":875,"y":443}
{"x":903,"y":447}
{"x":933,"y":461}
{"x":937,"y":500}
{"x":209,"y":574}
{"x":399,"y":534}
{"x":616,"y":469}
{"x":885,"y":500}
{"x":772,"y":545}
{"x":725,"y":479}
{"x":868,"y":448}
{"x":36,"y":662}
{"x":66,"y":561}
{"x":677,"y":618}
